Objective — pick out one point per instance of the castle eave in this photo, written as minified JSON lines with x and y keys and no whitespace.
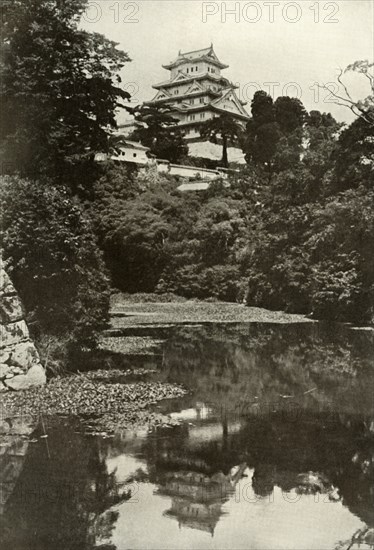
{"x":183,"y":61}
{"x":211,"y":93}
{"x":226,"y":112}
{"x":207,"y":76}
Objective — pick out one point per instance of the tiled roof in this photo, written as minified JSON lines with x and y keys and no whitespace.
{"x":135,"y":145}
{"x":195,"y":55}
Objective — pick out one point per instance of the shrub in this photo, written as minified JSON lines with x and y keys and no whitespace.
{"x":51,"y":254}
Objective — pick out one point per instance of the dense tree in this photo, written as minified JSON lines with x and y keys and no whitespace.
{"x":340,"y":242}
{"x":308,"y":251}
{"x":205,"y":248}
{"x":60,"y":89}
{"x":160,"y":132}
{"x":273,"y":138}
{"x":281,"y":137}
{"x":222,"y":129}
{"x":51,"y":254}
{"x":262,"y":133}
{"x":287,"y":243}
{"x":354,"y":157}
{"x":133,"y":230}
{"x":289,"y":117}
{"x":290,"y":114}
{"x":320,"y":143}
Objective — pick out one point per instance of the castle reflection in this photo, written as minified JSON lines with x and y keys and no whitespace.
{"x":276,"y":438}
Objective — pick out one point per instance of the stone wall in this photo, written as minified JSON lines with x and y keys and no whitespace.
{"x":20,"y":366}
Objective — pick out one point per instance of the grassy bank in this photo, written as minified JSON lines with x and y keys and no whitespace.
{"x":127,"y":310}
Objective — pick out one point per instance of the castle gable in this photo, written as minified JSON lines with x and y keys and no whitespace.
{"x":179,"y":78}
{"x":161,"y":94}
{"x":229,"y":102}
{"x":195,"y":88}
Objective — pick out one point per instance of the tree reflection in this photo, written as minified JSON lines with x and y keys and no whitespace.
{"x":294,"y":402}
{"x":63,"y":498}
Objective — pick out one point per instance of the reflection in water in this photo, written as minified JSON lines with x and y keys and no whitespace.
{"x":275,"y":450}
{"x":63,"y":495}
{"x":13,"y":450}
{"x":197,"y":499}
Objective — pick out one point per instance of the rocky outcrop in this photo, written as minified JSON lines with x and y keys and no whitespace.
{"x":20,"y":366}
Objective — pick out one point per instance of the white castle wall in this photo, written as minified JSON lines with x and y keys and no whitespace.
{"x":214,"y":151}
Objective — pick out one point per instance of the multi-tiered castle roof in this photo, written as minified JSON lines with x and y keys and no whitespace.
{"x":196,"y":91}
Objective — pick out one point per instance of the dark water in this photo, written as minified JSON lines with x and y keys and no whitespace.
{"x":276,"y":450}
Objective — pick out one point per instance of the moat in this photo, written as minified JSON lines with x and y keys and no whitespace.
{"x":274,"y":449}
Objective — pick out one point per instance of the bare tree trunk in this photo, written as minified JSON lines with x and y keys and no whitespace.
{"x":225,"y":162}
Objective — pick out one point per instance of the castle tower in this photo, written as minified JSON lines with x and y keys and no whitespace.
{"x":196,"y":91}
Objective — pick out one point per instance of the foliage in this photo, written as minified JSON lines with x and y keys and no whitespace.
{"x":273,"y":138}
{"x":132,"y":230}
{"x":52,"y":257}
{"x":341,"y":245}
{"x":289,"y":114}
{"x":315,"y":258}
{"x":289,"y":242}
{"x":159,"y":132}
{"x":355,"y":156}
{"x":160,"y":239}
{"x":223,"y":128}
{"x":60,"y":89}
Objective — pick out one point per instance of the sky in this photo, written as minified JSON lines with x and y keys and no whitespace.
{"x":282,"y":47}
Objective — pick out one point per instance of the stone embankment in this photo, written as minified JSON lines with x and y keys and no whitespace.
{"x":20,"y":366}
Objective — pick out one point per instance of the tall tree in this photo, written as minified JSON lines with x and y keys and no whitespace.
{"x":273,"y":138}
{"x":262,"y":133}
{"x":225,"y":129}
{"x":290,"y":114}
{"x":159,"y":132}
{"x":60,"y":88}
{"x":355,"y":156}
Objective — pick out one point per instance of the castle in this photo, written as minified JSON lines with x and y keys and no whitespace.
{"x":196,"y":91}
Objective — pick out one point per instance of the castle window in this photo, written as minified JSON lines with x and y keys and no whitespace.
{"x":201,"y":100}
{"x":176,"y":92}
{"x":202,"y":115}
{"x":192,"y":101}
{"x":188,"y":69}
{"x":134,"y":155}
